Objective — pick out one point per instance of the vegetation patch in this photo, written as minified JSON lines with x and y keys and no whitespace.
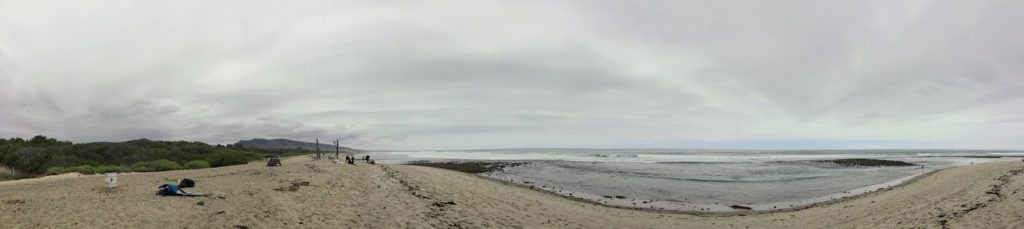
{"x":112,"y":169}
{"x":197,"y":164}
{"x":40,"y":155}
{"x":225,"y":157}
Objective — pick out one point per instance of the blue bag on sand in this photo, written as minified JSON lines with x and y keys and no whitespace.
{"x":169,"y":190}
{"x":175,"y":190}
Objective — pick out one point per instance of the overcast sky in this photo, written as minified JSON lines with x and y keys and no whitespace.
{"x":494,"y":74}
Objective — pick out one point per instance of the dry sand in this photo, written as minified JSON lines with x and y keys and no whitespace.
{"x":402,"y":196}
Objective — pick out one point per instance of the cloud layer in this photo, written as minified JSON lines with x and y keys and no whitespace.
{"x":491,"y":74}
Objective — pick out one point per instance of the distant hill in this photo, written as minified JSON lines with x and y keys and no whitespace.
{"x":261,"y":143}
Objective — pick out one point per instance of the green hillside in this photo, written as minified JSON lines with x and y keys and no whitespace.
{"x":42,"y":155}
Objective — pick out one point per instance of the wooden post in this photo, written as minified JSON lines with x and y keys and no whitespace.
{"x":318,"y":148}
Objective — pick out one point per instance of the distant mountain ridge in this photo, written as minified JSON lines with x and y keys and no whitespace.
{"x":279,"y":143}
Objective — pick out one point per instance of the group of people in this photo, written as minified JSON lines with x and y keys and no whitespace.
{"x":352,"y":160}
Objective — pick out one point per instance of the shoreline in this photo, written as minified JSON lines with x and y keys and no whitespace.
{"x":835,"y":198}
{"x":332,"y":195}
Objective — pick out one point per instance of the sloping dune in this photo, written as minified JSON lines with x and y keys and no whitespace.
{"x":320,"y":194}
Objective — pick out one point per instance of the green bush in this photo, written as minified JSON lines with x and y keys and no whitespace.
{"x":157,"y":165}
{"x":43,"y":155}
{"x":225,"y":157}
{"x":83,"y":169}
{"x":140,"y":167}
{"x":112,"y":169}
{"x":163,"y":165}
{"x":54,"y":171}
{"x":197,"y":164}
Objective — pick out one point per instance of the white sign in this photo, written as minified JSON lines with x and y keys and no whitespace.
{"x":111,"y":180}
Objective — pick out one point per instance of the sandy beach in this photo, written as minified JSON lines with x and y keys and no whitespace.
{"x":320,"y":194}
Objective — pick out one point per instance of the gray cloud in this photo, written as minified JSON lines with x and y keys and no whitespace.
{"x":488,"y":74}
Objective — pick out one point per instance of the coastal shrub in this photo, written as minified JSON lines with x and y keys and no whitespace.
{"x":83,"y":169}
{"x":141,"y":168}
{"x":197,"y":164}
{"x":112,"y":169}
{"x":225,"y":157}
{"x":41,"y":155}
{"x":54,"y":171}
{"x":163,"y":165}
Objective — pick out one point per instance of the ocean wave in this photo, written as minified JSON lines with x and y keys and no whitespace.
{"x":667,"y":177}
{"x":613,"y":155}
{"x":701,"y":162}
{"x":750,"y":181}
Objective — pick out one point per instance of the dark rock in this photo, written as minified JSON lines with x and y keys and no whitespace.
{"x":850,"y":162}
{"x":470,"y":166}
{"x":866,"y":162}
{"x":740,"y":207}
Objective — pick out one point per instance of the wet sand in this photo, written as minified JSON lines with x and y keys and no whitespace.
{"x":321,"y":194}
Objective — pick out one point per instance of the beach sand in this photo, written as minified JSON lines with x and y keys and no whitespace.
{"x":321,"y":194}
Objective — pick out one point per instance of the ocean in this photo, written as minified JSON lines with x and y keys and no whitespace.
{"x":704,"y":180}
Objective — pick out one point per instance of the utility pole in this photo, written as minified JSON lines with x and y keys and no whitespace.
{"x":337,"y":148}
{"x":318,"y":148}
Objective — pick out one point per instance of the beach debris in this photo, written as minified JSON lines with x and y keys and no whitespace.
{"x":620,"y":197}
{"x":294,"y":186}
{"x":737,"y":206}
{"x":314,"y":168}
{"x":438,"y":211}
{"x":15,"y":201}
{"x":410,"y":188}
{"x":995,"y":189}
{"x":443,"y":204}
{"x":609,"y":197}
{"x":247,"y":227}
{"x":201,"y":203}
